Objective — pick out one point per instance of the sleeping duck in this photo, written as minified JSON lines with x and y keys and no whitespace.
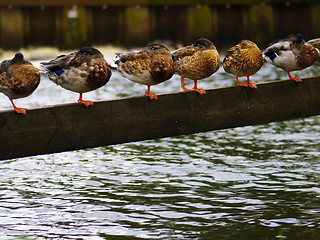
{"x":149,"y":66}
{"x":82,"y":71}
{"x":316,"y":43}
{"x":18,"y":79}
{"x":244,"y":59}
{"x":291,"y":55}
{"x":196,"y":61}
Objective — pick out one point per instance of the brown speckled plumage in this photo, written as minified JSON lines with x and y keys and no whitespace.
{"x":307,"y":56}
{"x":316,"y":43}
{"x":18,"y":79}
{"x":244,"y":59}
{"x":196,"y":61}
{"x":149,"y":66}
{"x":82,"y":71}
{"x":99,"y":76}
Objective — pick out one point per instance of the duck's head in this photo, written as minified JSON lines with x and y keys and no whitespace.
{"x":158,"y":48}
{"x":18,"y":58}
{"x":297,"y":39}
{"x":203,"y":43}
{"x":91,"y":52}
{"x":244,"y":44}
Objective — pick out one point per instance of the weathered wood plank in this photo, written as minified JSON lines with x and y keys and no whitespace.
{"x":72,"y":126}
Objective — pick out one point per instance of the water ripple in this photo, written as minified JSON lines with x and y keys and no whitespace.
{"x":255,"y":182}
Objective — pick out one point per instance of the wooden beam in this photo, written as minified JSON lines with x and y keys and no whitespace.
{"x":73,"y":126}
{"x":15,"y":3}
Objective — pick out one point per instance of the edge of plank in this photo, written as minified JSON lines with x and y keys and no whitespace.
{"x":72,"y":126}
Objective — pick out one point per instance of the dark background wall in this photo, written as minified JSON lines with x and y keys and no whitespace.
{"x":73,"y":24}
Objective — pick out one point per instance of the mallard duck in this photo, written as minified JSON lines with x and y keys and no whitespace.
{"x":291,"y":54}
{"x":316,"y":43}
{"x":18,"y":79}
{"x":82,"y":71}
{"x":196,"y":61}
{"x":244,"y":59}
{"x":149,"y":66}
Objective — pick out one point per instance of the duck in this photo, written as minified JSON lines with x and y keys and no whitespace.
{"x":243,"y":59}
{"x":316,"y":43}
{"x":149,"y":66}
{"x":291,"y":54}
{"x":82,"y":71}
{"x":196,"y":61}
{"x":18,"y":79}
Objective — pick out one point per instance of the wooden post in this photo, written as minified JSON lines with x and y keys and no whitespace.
{"x":230,"y":26}
{"x":287,"y":24}
{"x":168,"y":23}
{"x":74,"y":27}
{"x":107,"y":25}
{"x":215,"y":25}
{"x":137,"y":26}
{"x":41,"y":26}
{"x":315,"y":15}
{"x":73,"y":126}
{"x":261,"y":24}
{"x":199,"y":23}
{"x":11,"y":28}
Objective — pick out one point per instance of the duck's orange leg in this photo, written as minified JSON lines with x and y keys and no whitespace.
{"x":296,"y":79}
{"x":252,"y":85}
{"x":151,"y":95}
{"x":199,"y":90}
{"x":183,"y":87}
{"x":18,"y":110}
{"x":85,"y":102}
{"x":241,"y":84}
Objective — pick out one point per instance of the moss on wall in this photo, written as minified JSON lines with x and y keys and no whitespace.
{"x":74,"y":28}
{"x":11,"y":28}
{"x":261,"y":22}
{"x":199,"y":23}
{"x":315,"y":16}
{"x":137,"y":26}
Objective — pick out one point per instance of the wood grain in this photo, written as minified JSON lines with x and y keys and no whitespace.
{"x":73,"y":126}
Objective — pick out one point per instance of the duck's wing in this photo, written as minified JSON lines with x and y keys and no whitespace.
{"x":60,"y":62}
{"x":277,"y":48}
{"x":4,"y":65}
{"x":184,"y":52}
{"x":316,"y":43}
{"x":132,"y":56}
{"x":3,"y":76}
{"x":233,"y":51}
{"x":135,"y":66}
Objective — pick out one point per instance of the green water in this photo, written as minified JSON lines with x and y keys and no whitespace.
{"x":256,"y":182}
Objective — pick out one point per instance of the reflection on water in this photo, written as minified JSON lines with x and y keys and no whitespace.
{"x":255,"y":182}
